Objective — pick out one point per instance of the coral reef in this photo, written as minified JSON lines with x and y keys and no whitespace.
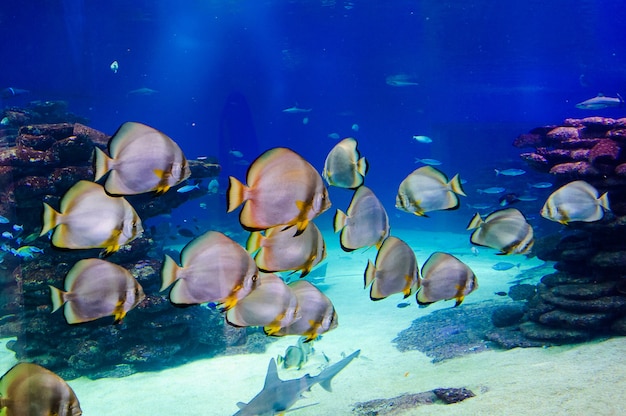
{"x":585,"y":297}
{"x":39,"y":162}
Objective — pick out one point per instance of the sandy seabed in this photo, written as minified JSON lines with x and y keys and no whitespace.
{"x":583,"y":379}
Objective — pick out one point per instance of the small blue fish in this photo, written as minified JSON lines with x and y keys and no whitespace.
{"x":403,"y":305}
{"x":422,"y":139}
{"x":4,"y":220}
{"x":7,"y":234}
{"x":504,"y":265}
{"x":492,"y":190}
{"x":540,"y":185}
{"x":510,"y":172}
{"x":431,"y":162}
{"x":17,"y":227}
{"x":188,"y":188}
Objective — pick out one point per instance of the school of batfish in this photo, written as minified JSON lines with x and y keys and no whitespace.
{"x":282,"y":195}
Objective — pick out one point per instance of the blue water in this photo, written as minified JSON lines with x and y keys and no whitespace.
{"x":223,"y":71}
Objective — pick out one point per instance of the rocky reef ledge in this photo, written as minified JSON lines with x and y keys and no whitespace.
{"x":39,"y":162}
{"x":581,"y":294}
{"x":585,"y":296}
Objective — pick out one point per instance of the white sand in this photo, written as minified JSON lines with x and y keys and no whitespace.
{"x":573,"y":380}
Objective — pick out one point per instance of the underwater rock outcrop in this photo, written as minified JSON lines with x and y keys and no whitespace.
{"x":405,"y":402}
{"x":39,"y":163}
{"x":585,"y":297}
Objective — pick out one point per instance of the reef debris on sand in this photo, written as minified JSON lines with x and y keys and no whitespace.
{"x":451,"y":332}
{"x":405,"y":402}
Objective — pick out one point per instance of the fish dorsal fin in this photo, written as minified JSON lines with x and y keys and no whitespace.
{"x":272,"y":374}
{"x":600,"y":94}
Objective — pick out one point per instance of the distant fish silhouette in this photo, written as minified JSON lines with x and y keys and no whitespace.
{"x":11,"y":92}
{"x":295,"y":110}
{"x":279,"y":395}
{"x":142,"y":92}
{"x":600,"y":101}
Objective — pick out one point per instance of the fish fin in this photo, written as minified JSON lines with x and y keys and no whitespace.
{"x":362,"y":166}
{"x":111,"y":245}
{"x":102,"y":162}
{"x":302,"y":220}
{"x":57,"y":296}
{"x":229,"y":302}
{"x":169,"y":273}
{"x":455,"y":185}
{"x":235,"y":194}
{"x":409,"y":287}
{"x":254,"y":241}
{"x":370,"y":273}
{"x":119,"y":313}
{"x":459,"y":295}
{"x":241,"y":405}
{"x":50,"y":219}
{"x":339,"y":221}
{"x":162,"y":186}
{"x":475,"y":222}
{"x":604,"y":201}
{"x":279,"y":359}
{"x":270,"y":330}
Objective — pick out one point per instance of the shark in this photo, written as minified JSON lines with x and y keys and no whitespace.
{"x":295,"y":110}
{"x":600,"y":101}
{"x":279,"y":395}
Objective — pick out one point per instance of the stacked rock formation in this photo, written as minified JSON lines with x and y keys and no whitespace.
{"x":39,"y":163}
{"x":586,"y":296}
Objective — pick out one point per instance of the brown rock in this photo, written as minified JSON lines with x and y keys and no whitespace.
{"x":554,"y":335}
{"x":574,"y":170}
{"x":40,"y":142}
{"x":57,"y":131}
{"x":616,"y":304}
{"x":73,"y":150}
{"x":536,"y":161}
{"x":571,"y":320}
{"x":606,"y":151}
{"x":585,"y":291}
{"x":97,"y":137}
{"x":610,"y":260}
{"x":560,"y":134}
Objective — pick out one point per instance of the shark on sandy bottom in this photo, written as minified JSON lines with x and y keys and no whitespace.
{"x":279,"y":395}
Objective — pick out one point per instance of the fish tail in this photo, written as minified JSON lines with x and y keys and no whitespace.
{"x":339,"y":221}
{"x":370,"y":273}
{"x":475,"y":222}
{"x":604,"y":201}
{"x":254,"y":241}
{"x":57,"y":296}
{"x":169,"y":273}
{"x":362,"y":166}
{"x":235,"y":194}
{"x":103,"y":163}
{"x":50,"y":219}
{"x":497,"y":172}
{"x":455,"y":185}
